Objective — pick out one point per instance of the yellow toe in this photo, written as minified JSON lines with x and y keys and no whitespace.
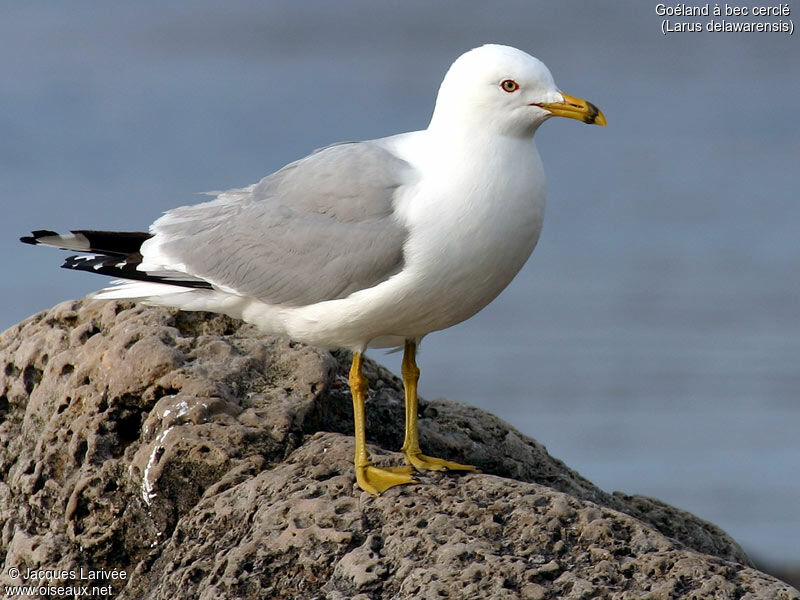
{"x":429,"y":463}
{"x":377,"y":480}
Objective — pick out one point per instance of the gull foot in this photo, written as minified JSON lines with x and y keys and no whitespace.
{"x":377,"y":480}
{"x":429,"y":463}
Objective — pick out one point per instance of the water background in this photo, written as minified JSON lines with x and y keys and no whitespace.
{"x":653,"y":340}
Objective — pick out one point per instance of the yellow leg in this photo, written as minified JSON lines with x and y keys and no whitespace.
{"x":410,"y":448}
{"x":370,"y":479}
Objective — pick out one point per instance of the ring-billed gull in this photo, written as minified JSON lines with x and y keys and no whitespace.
{"x":364,"y":244}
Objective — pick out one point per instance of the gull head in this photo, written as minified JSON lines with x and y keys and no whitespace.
{"x":505,"y":91}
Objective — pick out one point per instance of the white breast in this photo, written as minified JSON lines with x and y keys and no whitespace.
{"x":473,"y":223}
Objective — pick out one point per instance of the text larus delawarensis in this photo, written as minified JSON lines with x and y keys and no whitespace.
{"x":364,"y":244}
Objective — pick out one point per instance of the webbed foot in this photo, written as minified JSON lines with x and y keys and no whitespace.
{"x":377,"y":480}
{"x":429,"y":463}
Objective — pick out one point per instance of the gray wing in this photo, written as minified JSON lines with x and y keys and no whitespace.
{"x":319,"y":229}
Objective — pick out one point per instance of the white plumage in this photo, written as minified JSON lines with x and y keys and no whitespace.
{"x":471,"y":200}
{"x":363,"y":244}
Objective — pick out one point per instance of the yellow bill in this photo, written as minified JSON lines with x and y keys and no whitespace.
{"x":575,"y":108}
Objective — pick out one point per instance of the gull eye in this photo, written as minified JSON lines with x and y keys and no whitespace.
{"x":509,"y":85}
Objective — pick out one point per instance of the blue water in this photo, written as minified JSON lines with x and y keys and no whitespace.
{"x":653,"y":340}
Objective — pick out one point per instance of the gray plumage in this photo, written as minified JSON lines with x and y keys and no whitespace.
{"x":319,"y":229}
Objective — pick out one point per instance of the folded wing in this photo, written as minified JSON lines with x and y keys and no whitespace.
{"x":319,"y":229}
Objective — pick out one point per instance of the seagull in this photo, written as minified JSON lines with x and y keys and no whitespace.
{"x":363,"y":244}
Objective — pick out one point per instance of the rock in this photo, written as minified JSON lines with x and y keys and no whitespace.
{"x":202,"y":459}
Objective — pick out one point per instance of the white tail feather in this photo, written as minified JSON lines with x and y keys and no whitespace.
{"x":131,"y":290}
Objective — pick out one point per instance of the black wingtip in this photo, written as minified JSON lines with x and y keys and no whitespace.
{"x":33,"y":238}
{"x":126,"y":268}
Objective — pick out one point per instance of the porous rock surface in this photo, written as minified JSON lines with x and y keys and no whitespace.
{"x":206,"y":460}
